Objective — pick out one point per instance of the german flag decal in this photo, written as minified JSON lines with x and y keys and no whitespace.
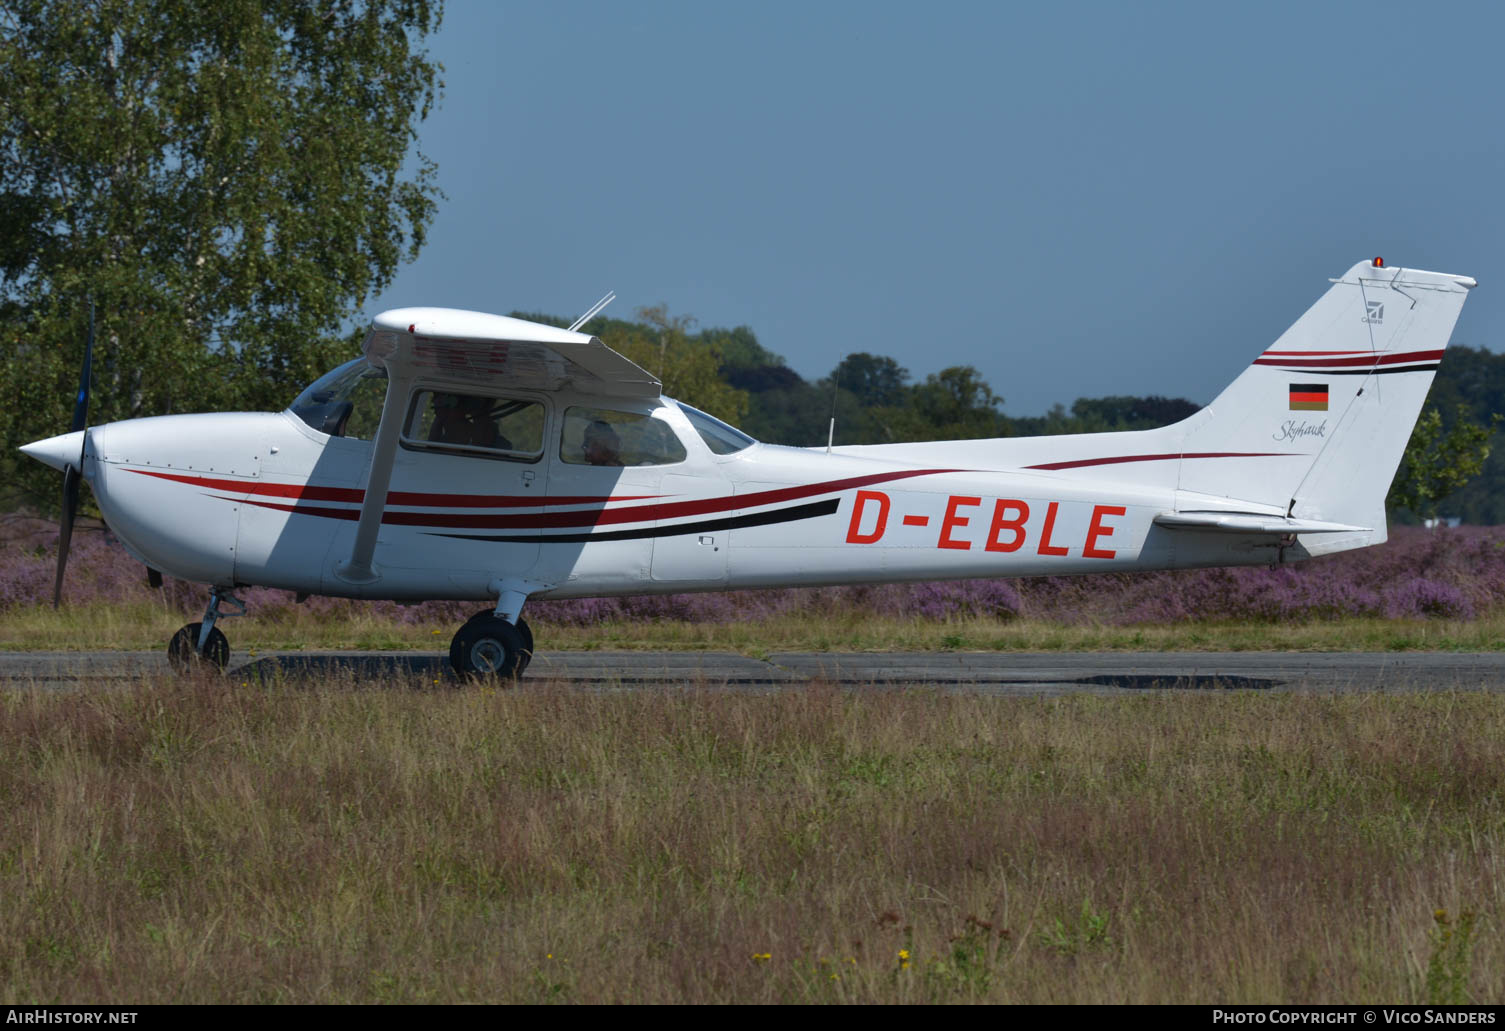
{"x":1308,"y":397}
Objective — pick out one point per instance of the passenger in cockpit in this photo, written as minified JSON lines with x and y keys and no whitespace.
{"x":601,"y":444}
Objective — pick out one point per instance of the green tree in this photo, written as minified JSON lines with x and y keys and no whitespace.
{"x":1130,"y":413}
{"x":739,"y":348}
{"x":875,"y":380}
{"x":1476,"y":378}
{"x":688,"y":364}
{"x":953,"y":404}
{"x":229,"y":182}
{"x":1438,"y":461}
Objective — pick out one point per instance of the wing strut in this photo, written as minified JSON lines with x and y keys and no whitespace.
{"x":358,"y":569}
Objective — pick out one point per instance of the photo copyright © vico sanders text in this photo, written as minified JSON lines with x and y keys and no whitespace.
{"x":1366,"y":1016}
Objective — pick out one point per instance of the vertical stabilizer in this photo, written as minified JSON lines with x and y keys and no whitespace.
{"x":1333,"y":401}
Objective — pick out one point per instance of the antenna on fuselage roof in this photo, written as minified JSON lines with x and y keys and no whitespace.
{"x":611,"y":295}
{"x":835,"y":386}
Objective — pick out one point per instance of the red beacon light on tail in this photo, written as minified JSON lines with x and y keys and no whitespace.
{"x":1379,"y":262}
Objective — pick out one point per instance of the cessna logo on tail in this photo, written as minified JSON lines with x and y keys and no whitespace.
{"x":1374,"y":311}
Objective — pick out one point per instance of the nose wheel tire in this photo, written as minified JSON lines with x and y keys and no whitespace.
{"x":490,"y":647}
{"x":183,"y":650}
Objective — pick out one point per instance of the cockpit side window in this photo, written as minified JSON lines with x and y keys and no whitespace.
{"x":601,"y":436}
{"x":345,"y":402}
{"x":497,"y":427}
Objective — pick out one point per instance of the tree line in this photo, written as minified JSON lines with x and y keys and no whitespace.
{"x":227,"y":185}
{"x":1451,"y":466}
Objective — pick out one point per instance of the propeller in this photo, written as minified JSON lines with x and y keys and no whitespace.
{"x":73,"y":474}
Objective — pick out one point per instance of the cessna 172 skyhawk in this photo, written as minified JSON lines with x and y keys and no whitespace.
{"x":472,"y":456}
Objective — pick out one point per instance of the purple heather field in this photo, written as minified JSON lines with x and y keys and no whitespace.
{"x":1457,"y":573}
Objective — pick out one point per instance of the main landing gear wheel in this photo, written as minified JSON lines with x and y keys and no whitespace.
{"x":183,"y":650}
{"x":489,"y":646}
{"x":522,"y":628}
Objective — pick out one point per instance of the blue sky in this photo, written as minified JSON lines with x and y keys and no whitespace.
{"x":1077,"y":199}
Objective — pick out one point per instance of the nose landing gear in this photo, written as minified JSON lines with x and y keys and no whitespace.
{"x":203,"y":645}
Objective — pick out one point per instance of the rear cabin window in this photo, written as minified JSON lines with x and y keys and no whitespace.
{"x":498,"y":427}
{"x":600,"y":436}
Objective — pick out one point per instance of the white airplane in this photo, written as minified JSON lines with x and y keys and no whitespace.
{"x":477,"y":457}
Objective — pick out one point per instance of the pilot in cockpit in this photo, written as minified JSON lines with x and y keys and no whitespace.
{"x":465,"y":419}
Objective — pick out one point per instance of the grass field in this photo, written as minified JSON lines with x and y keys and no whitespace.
{"x":142,"y":625}
{"x":192,"y":841}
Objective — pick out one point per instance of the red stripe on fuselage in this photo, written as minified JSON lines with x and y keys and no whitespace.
{"x":603,"y":517}
{"x":355,"y":495}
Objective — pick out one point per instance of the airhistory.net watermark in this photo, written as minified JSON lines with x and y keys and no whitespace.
{"x":43,"y":1015}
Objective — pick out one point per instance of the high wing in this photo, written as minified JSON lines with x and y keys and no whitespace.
{"x":473,"y":347}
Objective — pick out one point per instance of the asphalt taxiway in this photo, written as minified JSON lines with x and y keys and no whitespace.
{"x":991,"y":672}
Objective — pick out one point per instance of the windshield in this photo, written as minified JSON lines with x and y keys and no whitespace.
{"x":718,"y":436}
{"x":346,"y":402}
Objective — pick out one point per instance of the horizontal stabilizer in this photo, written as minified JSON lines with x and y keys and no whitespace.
{"x":1250,"y":522}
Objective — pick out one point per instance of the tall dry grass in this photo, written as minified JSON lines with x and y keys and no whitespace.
{"x":197,"y":841}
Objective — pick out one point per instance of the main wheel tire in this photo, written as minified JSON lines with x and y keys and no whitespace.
{"x":522,"y":628}
{"x":183,"y":650}
{"x":490,"y":647}
{"x":527,"y":632}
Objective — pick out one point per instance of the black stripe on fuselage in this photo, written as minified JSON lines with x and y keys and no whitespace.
{"x":780,"y":515}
